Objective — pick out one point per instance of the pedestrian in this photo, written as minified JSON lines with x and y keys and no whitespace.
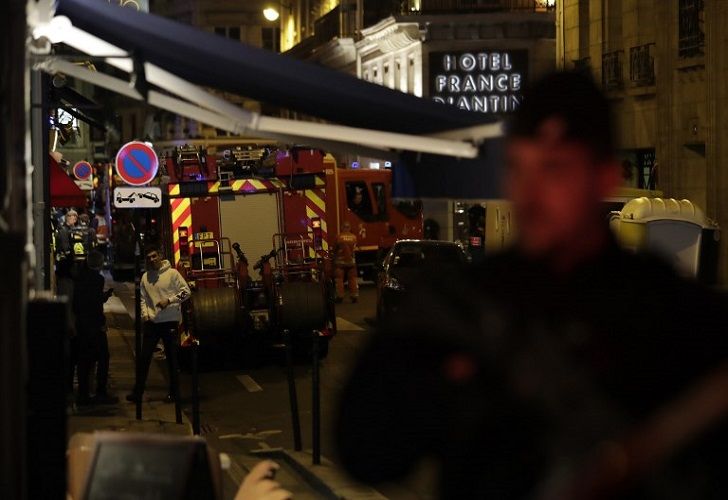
{"x":93,"y":344}
{"x":345,"y":264}
{"x":163,"y":289}
{"x":563,"y":368}
{"x":386,"y":242}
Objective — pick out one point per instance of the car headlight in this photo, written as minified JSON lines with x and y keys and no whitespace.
{"x":394,"y":284}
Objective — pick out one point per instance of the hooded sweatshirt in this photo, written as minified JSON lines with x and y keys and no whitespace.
{"x":167,"y":283}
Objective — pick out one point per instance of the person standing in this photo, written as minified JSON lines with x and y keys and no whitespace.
{"x":565,"y":367}
{"x":345,"y":263}
{"x":93,"y":345}
{"x":163,"y":289}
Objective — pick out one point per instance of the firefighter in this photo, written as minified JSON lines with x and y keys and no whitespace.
{"x":386,"y":242}
{"x":345,"y":263}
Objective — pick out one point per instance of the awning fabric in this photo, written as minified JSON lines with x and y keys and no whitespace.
{"x":64,"y":192}
{"x":210,"y":60}
{"x":434,"y":176}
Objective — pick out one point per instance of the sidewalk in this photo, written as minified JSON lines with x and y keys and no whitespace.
{"x":296,"y":475}
{"x":157,"y":415}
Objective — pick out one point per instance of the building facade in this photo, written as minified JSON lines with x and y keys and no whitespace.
{"x":664,"y":65}
{"x":477,"y":55}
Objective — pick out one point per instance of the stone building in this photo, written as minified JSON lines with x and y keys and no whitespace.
{"x":664,"y":65}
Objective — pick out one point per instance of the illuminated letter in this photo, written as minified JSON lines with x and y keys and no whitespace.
{"x":469,"y":84}
{"x":483,"y":61}
{"x":448,"y":62}
{"x":467,"y":62}
{"x":480,"y":103}
{"x":485,"y":83}
{"x":494,"y":102}
{"x":453,"y":83}
{"x":515,"y":101}
{"x":516,"y":81}
{"x":507,"y":62}
{"x":438,"y":100}
{"x":463,"y":103}
{"x":440,"y":83}
{"x":495,"y":62}
{"x":501,"y":82}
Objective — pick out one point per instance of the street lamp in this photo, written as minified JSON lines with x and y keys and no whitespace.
{"x":271,"y":14}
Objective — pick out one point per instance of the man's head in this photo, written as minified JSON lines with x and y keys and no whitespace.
{"x":560,"y":162}
{"x":154,"y":257}
{"x":358,"y":197}
{"x":71,"y":217}
{"x":345,"y":227}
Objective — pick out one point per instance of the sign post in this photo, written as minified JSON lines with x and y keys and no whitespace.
{"x":138,"y":311}
{"x":137,"y":165}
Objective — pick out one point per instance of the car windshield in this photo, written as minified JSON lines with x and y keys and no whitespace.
{"x":417,"y":255}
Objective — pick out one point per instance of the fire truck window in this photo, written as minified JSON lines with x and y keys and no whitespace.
{"x":380,"y":195}
{"x":358,"y":200}
{"x":409,"y":208}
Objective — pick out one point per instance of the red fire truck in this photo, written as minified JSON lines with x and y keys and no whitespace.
{"x":279,"y":208}
{"x":302,"y":190}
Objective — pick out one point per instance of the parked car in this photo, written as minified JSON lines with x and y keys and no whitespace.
{"x":406,"y":263}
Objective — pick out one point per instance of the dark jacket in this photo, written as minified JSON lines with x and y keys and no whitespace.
{"x":510,"y":374}
{"x":88,"y":299}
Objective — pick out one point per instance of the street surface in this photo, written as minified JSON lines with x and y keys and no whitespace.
{"x":247,"y":409}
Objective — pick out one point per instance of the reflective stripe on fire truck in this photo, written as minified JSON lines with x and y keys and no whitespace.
{"x":316,"y":207}
{"x":181,"y":217}
{"x":237,"y":186}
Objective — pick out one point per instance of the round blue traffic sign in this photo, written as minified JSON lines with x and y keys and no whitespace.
{"x":136,"y":163}
{"x":83,"y":170}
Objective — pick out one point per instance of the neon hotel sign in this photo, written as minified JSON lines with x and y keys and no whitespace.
{"x":488,"y":82}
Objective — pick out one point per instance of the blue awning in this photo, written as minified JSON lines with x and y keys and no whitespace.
{"x":207,"y":59}
{"x":433,"y":176}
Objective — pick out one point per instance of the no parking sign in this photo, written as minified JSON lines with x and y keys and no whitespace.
{"x":136,"y":163}
{"x":82,"y":170}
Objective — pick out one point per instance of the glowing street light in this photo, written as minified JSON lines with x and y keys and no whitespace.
{"x":271,"y":14}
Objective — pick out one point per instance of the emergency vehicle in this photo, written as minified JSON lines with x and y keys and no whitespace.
{"x":253,"y":230}
{"x":248,"y":195}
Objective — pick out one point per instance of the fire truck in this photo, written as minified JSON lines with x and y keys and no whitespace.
{"x":276,"y":213}
{"x":288,"y":192}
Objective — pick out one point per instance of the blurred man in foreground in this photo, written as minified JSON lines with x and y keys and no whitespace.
{"x":541,"y":373}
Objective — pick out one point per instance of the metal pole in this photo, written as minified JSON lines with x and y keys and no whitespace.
{"x":137,"y":311}
{"x":195,"y":391}
{"x":296,"y":421}
{"x":316,"y":399}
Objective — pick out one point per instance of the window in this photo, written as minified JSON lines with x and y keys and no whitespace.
{"x":690,"y":28}
{"x":646,"y":168}
{"x":642,"y":64}
{"x":380,"y":195}
{"x":271,"y":38}
{"x":358,"y":200}
{"x":231,"y":32}
{"x":612,"y":70}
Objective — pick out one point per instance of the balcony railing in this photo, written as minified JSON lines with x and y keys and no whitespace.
{"x":642,"y":65}
{"x":691,"y":38}
{"x":612,"y":70}
{"x":454,"y":6}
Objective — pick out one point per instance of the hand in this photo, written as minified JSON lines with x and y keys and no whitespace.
{"x":163,"y":303}
{"x":259,"y":485}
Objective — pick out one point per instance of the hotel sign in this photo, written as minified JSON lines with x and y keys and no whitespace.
{"x":487,"y":81}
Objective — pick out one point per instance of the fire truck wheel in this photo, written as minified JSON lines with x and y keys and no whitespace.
{"x":302,"y":306}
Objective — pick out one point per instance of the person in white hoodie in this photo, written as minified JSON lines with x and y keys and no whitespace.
{"x":163,"y":289}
